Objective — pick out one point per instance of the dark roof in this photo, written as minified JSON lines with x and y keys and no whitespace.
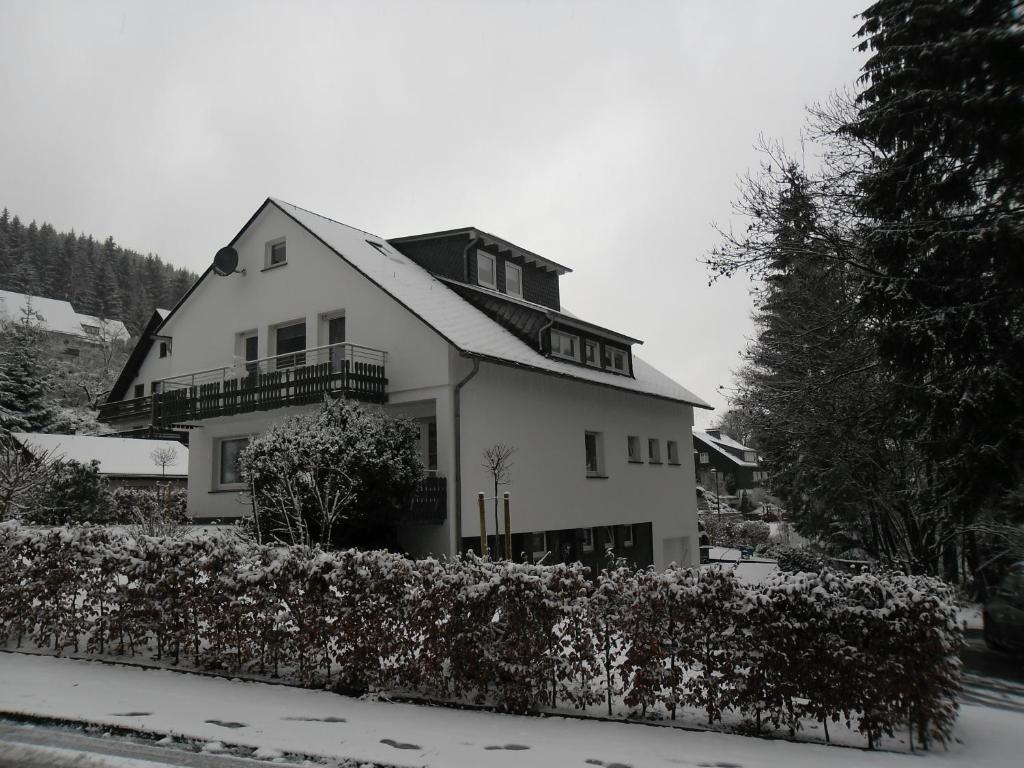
{"x":134,"y":362}
{"x":488,"y":239}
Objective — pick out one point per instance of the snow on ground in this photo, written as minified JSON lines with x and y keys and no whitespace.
{"x":747,"y":571}
{"x":317,"y":722}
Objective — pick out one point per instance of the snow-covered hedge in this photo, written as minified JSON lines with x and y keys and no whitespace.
{"x":877,"y":652}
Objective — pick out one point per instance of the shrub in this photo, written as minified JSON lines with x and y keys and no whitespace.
{"x":76,"y":493}
{"x":795,"y":560}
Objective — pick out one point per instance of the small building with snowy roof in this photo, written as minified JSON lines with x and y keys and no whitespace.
{"x":718,"y":454}
{"x":123,"y":461}
{"x":461,"y":331}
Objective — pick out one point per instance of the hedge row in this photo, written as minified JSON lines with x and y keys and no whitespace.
{"x":876,"y":652}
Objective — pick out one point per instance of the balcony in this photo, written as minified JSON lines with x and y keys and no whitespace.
{"x":295,"y":378}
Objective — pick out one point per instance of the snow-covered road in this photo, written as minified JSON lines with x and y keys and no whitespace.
{"x":283,"y":719}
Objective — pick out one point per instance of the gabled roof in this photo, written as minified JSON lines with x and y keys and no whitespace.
{"x":134,"y":362}
{"x":462,"y":325}
{"x":58,"y":316}
{"x":119,"y":456}
{"x":718,"y":444}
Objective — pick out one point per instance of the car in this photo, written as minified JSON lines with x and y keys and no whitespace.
{"x":1003,"y":614}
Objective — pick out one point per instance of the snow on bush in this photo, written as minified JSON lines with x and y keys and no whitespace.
{"x":876,"y":652}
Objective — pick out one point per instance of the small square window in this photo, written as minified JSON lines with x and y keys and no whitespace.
{"x":140,"y":390}
{"x":616,"y":359}
{"x":654,"y":450}
{"x":749,"y":457}
{"x":278,"y":254}
{"x":633,"y":449}
{"x":593,"y":450}
{"x":165,"y":349}
{"x":485,"y":272}
{"x":154,"y":387}
{"x":591,"y":352}
{"x":228,"y":471}
{"x":513,"y":280}
{"x":565,"y":345}
{"x":703,"y":458}
{"x":673,"y":451}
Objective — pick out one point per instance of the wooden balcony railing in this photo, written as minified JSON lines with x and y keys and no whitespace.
{"x":127,"y":410}
{"x":430,"y":502}
{"x":294,"y":378}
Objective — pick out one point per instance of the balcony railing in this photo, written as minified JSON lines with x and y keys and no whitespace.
{"x":430,"y":502}
{"x":127,"y":410}
{"x":293,"y":378}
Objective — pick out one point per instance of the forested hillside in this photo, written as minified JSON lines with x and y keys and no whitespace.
{"x":98,"y":278}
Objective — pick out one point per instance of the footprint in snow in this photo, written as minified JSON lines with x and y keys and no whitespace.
{"x":130,"y":714}
{"x":508,"y":746}
{"x":399,"y":744}
{"x":226,"y":723}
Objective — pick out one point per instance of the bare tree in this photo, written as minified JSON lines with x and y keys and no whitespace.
{"x":23,"y":477}
{"x":164,"y":457}
{"x":498,"y":464}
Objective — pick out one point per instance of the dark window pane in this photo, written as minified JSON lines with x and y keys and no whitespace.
{"x":291,"y":339}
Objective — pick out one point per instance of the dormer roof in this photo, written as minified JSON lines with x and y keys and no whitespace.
{"x":488,"y":240}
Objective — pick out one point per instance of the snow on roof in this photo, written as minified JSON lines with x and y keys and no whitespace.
{"x":58,"y":316}
{"x":458,"y":321}
{"x":718,"y":442}
{"x":116,"y":455}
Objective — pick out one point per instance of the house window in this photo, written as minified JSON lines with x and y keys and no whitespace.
{"x":228,"y":472}
{"x":291,"y":341}
{"x":587,"y":539}
{"x":91,"y":330}
{"x":633,"y":449}
{"x":591,"y":352}
{"x":140,"y":390}
{"x":615,"y":359}
{"x":627,"y":535}
{"x":593,"y":449}
{"x":277,"y":254}
{"x":750,"y":457}
{"x":154,"y":387}
{"x":485,"y":272}
{"x":672,"y":447}
{"x":654,"y":450}
{"x":565,"y":345}
{"x":538,"y":545}
{"x":513,"y":280}
{"x":703,"y":458}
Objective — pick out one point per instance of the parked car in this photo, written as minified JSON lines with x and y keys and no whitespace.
{"x":1004,"y":613}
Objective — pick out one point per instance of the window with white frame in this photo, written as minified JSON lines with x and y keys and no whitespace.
{"x":513,"y":279}
{"x":228,"y":472}
{"x":616,"y":359}
{"x":565,"y":345}
{"x":703,"y":458}
{"x":593,"y":445}
{"x":633,"y":449}
{"x":672,"y":447}
{"x":654,"y":450}
{"x":276,"y":254}
{"x":486,"y":275}
{"x":591,"y":352}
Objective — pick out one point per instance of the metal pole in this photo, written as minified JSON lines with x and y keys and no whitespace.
{"x":508,"y":528}
{"x":483,"y":525}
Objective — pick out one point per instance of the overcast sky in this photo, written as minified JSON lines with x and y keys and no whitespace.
{"x":605,"y":136}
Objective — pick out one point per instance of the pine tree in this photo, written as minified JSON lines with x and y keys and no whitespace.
{"x":943,"y":201}
{"x":108,"y":292}
{"x":23,"y":392}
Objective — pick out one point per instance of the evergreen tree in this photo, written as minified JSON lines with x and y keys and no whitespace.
{"x":943,"y":202}
{"x":23,"y":392}
{"x":108,"y":292}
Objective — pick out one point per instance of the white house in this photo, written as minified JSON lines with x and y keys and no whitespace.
{"x":68,"y":333}
{"x":459,"y":330}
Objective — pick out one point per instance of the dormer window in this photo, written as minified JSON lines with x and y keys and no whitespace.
{"x":91,"y":330}
{"x":616,"y":359}
{"x":565,"y":345}
{"x":592,"y":353}
{"x":750,"y":457}
{"x":486,"y":275}
{"x":513,"y":279}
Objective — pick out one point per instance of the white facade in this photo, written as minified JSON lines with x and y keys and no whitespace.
{"x":544,"y":416}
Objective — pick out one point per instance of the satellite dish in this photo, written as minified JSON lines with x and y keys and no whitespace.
{"x":226,"y":261}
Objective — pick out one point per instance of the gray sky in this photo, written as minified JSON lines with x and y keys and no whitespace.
{"x":605,"y":136}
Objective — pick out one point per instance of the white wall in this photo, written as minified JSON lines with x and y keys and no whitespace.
{"x":545,"y":418}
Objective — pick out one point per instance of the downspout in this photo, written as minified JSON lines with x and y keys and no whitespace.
{"x":540,"y":333}
{"x":458,"y":452}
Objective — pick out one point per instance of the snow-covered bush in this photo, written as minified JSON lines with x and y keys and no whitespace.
{"x":797,"y":559}
{"x":878,"y":651}
{"x":344,"y":464}
{"x":75,"y":493}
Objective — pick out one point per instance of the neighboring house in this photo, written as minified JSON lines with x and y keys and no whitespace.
{"x":123,"y":461}
{"x":68,"y":334}
{"x":714,"y":453}
{"x":462,"y":332}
